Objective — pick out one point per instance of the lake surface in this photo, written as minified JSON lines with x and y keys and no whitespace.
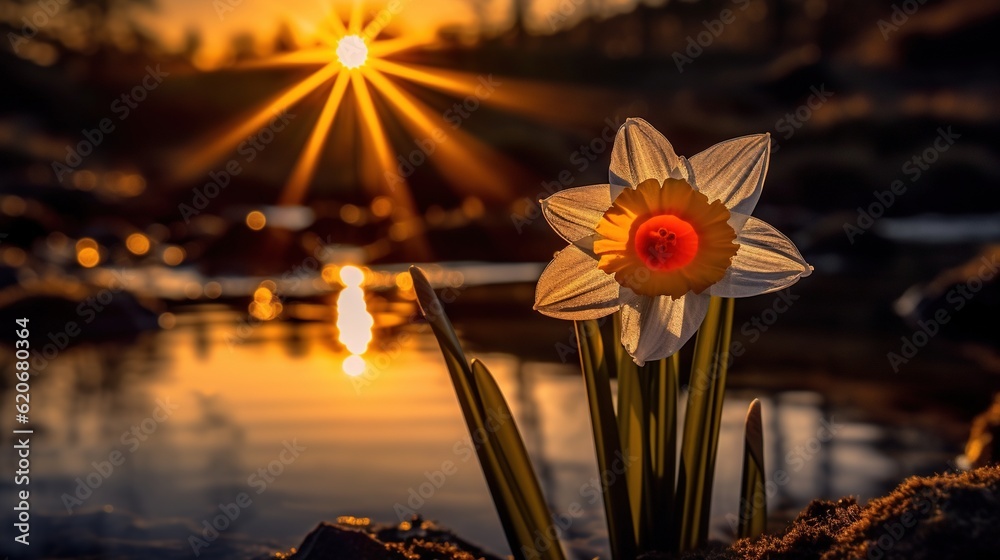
{"x":277,"y":419}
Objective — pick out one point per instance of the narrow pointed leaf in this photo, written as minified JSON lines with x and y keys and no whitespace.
{"x":753,"y":494}
{"x":698,"y":424}
{"x":647,"y":514}
{"x":512,"y":482}
{"x":631,"y":415}
{"x":720,"y":371}
{"x":606,"y":440}
{"x":664,"y":451}
{"x":514,"y":462}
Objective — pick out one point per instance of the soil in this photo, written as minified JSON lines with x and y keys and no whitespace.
{"x":939,"y":517}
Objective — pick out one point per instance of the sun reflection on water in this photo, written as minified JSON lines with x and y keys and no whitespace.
{"x":354,"y":322}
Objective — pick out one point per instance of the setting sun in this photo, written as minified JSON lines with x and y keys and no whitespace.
{"x":355,"y":70}
{"x":352,"y":51}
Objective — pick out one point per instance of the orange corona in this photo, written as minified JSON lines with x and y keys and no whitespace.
{"x":665,"y":239}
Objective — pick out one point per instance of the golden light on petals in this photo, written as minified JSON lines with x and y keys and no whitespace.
{"x":665,"y":239}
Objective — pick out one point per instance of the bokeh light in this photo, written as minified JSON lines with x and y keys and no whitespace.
{"x":266,"y":304}
{"x":331,"y":274}
{"x":256,"y":220}
{"x":263,"y":295}
{"x":173,"y":255}
{"x":137,"y":244}
{"x":192,"y":290}
{"x":13,"y":205}
{"x":213,"y":289}
{"x":167,"y":320}
{"x":473,"y":207}
{"x":350,"y":213}
{"x":85,"y":243}
{"x":14,"y":257}
{"x":381,"y":207}
{"x":87,"y":253}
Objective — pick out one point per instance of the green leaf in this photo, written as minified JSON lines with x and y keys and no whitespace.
{"x":753,"y":492}
{"x":631,"y":426}
{"x":509,"y":475}
{"x":720,"y":368}
{"x":610,"y":460}
{"x":701,"y":424}
{"x":515,"y":463}
{"x":647,"y":421}
{"x":663,"y":456}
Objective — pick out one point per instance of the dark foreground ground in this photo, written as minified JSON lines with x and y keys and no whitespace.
{"x":938,"y":517}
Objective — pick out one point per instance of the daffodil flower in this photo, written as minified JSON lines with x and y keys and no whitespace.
{"x":665,"y":235}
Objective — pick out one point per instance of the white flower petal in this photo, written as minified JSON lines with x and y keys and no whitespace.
{"x":574,"y":213}
{"x":641,"y":152}
{"x":766,"y":262}
{"x":656,"y":327}
{"x":733,"y":172}
{"x":572,"y":287}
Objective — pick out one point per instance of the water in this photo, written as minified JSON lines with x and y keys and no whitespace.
{"x":176,"y":426}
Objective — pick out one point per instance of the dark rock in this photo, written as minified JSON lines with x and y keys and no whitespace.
{"x":332,"y":542}
{"x":353,"y":539}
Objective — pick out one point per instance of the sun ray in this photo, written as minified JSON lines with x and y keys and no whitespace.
{"x":354,"y":24}
{"x":390,"y":47}
{"x":337,"y":26}
{"x":202,"y":156}
{"x":438,"y":80}
{"x":539,"y":101}
{"x":313,"y":56}
{"x":327,"y":28}
{"x":302,"y":174}
{"x":463,"y":159}
{"x":329,"y":39}
{"x":397,"y":189}
{"x":385,"y":110}
{"x":372,"y":125}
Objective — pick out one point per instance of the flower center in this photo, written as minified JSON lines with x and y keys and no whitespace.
{"x":665,"y":239}
{"x":666,"y":242}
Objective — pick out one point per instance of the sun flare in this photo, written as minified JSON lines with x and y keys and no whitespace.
{"x":354,"y":70}
{"x":352,"y":51}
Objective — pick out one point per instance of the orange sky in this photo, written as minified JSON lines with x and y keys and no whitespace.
{"x":218,"y":20}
